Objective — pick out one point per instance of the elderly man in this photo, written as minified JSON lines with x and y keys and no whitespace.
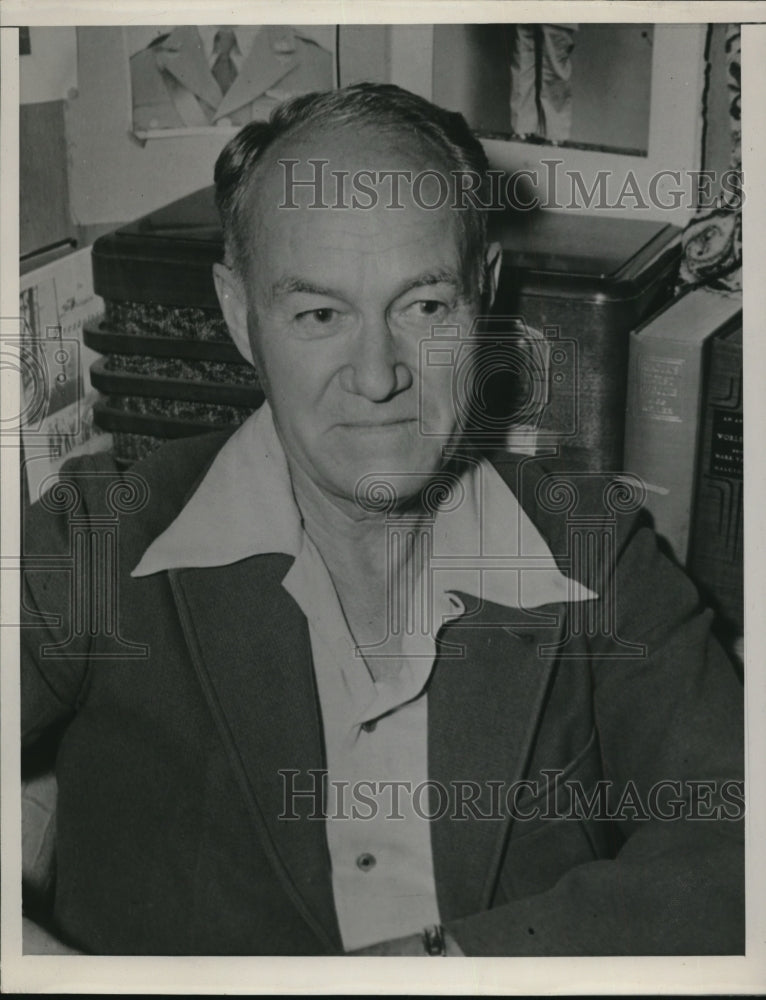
{"x":360,"y":695}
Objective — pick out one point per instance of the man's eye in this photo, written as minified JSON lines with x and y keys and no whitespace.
{"x":424,"y":309}
{"x":321,"y":316}
{"x":430,"y":307}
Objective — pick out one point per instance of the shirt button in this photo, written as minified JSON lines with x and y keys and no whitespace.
{"x":370,"y":727}
{"x":366,"y":862}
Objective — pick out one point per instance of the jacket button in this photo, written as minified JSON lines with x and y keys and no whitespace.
{"x":366,"y":862}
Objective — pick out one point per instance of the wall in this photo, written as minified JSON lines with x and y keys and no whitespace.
{"x":44,"y":218}
{"x":365,"y":53}
{"x":113,"y":177}
{"x":47,"y":72}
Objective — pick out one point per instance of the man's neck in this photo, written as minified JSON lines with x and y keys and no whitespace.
{"x":350,"y":538}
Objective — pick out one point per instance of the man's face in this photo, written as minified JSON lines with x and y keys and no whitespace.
{"x":339,"y":301}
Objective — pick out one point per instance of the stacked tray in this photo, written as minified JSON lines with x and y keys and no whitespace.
{"x":166,"y":372}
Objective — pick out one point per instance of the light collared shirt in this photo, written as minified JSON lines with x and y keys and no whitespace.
{"x":377,"y":812}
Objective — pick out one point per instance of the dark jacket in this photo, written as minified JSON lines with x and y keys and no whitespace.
{"x":181,"y":696}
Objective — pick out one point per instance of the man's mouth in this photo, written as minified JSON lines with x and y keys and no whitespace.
{"x":378,"y":424}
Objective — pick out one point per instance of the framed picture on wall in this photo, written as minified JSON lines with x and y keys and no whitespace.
{"x":616,"y":105}
{"x":200,"y":78}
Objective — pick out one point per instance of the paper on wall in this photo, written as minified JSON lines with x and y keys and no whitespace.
{"x":57,"y":409}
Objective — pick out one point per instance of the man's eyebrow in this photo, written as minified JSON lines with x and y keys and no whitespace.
{"x":445,"y":276}
{"x":290,"y":284}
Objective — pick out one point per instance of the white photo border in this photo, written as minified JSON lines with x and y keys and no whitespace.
{"x":505,"y":976}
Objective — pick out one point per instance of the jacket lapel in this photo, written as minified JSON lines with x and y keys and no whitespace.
{"x":262,"y":68}
{"x":183,"y":56}
{"x":250,"y":646}
{"x":484,"y":709}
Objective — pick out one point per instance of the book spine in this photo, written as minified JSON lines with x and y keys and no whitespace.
{"x":661,"y":433}
{"x":716,"y":550}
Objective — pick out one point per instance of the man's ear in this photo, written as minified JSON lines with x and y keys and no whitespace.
{"x":231,"y":296}
{"x":492,"y":261}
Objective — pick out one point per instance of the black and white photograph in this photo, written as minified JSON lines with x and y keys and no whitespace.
{"x":375,"y":508}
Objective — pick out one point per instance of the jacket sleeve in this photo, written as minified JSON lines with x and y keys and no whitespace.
{"x":65,"y":569}
{"x":54,"y":646}
{"x":673,"y":714}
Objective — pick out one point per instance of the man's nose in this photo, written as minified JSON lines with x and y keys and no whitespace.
{"x":375,"y":370}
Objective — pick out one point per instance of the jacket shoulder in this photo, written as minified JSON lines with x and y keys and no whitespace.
{"x":149,"y":493}
{"x":173,"y":471}
{"x":558,"y":494}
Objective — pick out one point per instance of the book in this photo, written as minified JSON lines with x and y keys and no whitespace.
{"x":666,"y":371}
{"x":716,"y":547}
